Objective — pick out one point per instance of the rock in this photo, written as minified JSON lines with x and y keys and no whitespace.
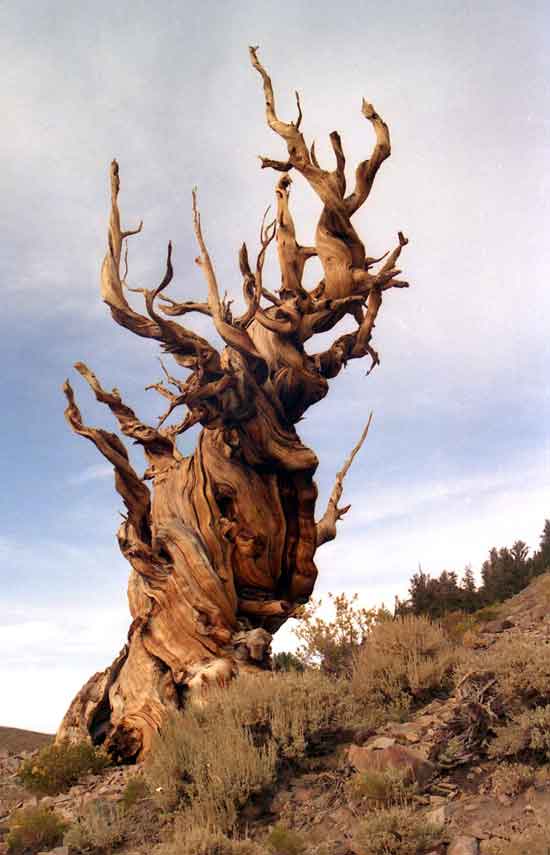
{"x":439,"y":815}
{"x":365,"y":759}
{"x":381,"y":742}
{"x":463,"y":846}
{"x":496,"y":626}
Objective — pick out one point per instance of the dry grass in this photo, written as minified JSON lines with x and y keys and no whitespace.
{"x":284,"y":841}
{"x":512,"y":779}
{"x":527,"y":732}
{"x":102,"y":825}
{"x":396,"y":831}
{"x":521,"y":667}
{"x":205,"y":841}
{"x":385,"y":788}
{"x":532,"y":842}
{"x":403,"y":662}
{"x":210,"y":763}
{"x":212,"y":760}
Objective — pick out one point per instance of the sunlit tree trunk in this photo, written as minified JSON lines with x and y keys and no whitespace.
{"x":222,"y":543}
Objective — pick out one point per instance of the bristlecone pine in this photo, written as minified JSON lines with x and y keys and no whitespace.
{"x":222,"y":548}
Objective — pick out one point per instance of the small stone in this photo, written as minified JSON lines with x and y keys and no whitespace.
{"x":439,"y":815}
{"x":59,"y":850}
{"x":464,"y":846}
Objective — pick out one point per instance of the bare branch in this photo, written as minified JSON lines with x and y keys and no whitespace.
{"x":366,"y":171}
{"x":326,"y":527}
{"x":127,"y":482}
{"x":298,"y":121}
{"x":156,"y":445}
{"x":233,"y":336}
{"x":182,"y":343}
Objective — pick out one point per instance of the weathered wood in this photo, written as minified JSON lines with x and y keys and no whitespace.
{"x":222,"y":546}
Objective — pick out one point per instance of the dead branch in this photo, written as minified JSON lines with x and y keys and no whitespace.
{"x":326,"y":527}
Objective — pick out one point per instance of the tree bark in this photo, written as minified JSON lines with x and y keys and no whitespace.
{"x":222,"y":546}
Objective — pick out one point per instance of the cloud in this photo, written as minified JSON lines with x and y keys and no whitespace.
{"x":92,"y":473}
{"x":49,"y":652}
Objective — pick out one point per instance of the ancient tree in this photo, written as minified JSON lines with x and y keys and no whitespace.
{"x":222,"y":546}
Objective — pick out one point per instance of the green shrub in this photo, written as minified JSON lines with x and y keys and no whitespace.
{"x":101,"y":825}
{"x":57,"y":767}
{"x":284,"y":841}
{"x":526,"y":732}
{"x":396,"y":831}
{"x":403,"y":662}
{"x":33,"y":829}
{"x":382,"y":788}
{"x":205,"y":841}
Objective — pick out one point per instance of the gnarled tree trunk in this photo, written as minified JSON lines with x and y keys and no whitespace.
{"x":222,"y":548}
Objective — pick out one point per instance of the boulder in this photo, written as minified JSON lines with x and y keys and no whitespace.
{"x":496,"y":626}
{"x":464,"y":846}
{"x":366,"y":759}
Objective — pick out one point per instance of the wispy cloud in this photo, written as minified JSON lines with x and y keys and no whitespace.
{"x":99,"y":472}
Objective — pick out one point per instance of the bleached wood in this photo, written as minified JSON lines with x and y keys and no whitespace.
{"x":222,"y":544}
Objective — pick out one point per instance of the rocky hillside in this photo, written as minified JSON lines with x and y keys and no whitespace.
{"x":13,"y":740}
{"x":465,"y":772}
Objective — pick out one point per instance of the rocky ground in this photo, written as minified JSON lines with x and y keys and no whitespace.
{"x":454,"y":790}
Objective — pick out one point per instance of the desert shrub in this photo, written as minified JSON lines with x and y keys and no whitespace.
{"x":396,"y":831}
{"x":101,"y":825}
{"x":331,"y":644}
{"x":487,"y":613}
{"x":456,"y":624}
{"x":534,"y":841}
{"x":284,"y":841}
{"x":382,"y":788}
{"x":214,"y":757}
{"x":521,"y":668}
{"x":209,"y":761}
{"x":526,"y":732}
{"x":33,"y":829}
{"x":206,"y":841}
{"x":135,"y":789}
{"x":58,"y":766}
{"x":511,"y":779}
{"x":403,"y":661}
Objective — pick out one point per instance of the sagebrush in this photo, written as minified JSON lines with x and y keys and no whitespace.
{"x":57,"y":767}
{"x":32,"y":829}
{"x":396,"y":831}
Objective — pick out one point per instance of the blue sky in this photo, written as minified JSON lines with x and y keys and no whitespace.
{"x":458,"y":455}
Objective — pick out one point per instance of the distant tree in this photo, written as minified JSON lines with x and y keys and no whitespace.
{"x":505,"y":572}
{"x":470,"y":594}
{"x":421,"y":593}
{"x":541,"y":559}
